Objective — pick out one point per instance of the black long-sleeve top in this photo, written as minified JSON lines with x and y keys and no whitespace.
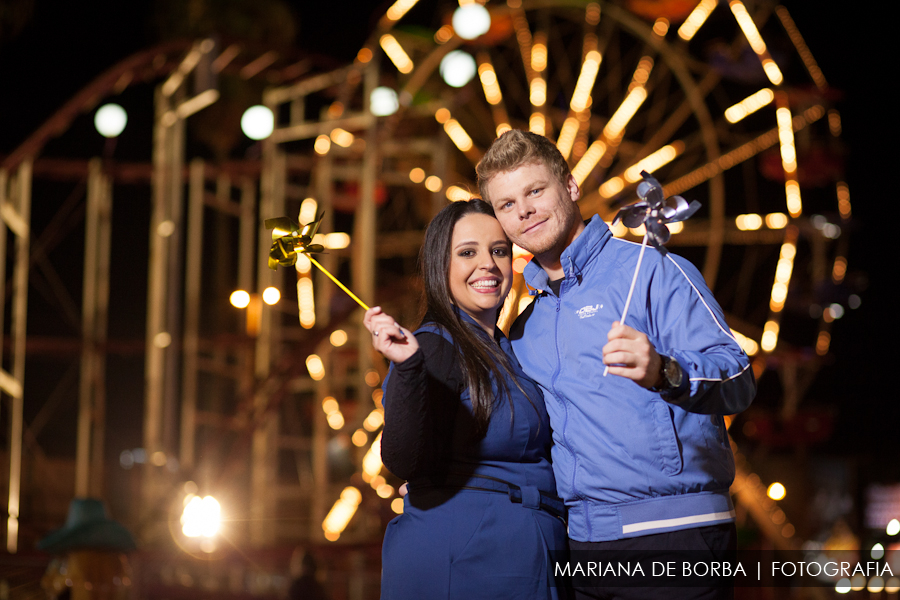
{"x":424,"y":393}
{"x":430,"y":430}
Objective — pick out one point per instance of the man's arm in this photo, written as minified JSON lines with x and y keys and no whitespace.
{"x":684,"y":323}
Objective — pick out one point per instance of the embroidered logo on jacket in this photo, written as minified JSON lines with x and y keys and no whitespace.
{"x":588,"y":311}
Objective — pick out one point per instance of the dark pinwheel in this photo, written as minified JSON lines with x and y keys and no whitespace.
{"x":654,"y":211}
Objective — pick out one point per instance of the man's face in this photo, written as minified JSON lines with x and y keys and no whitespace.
{"x":536,"y":210}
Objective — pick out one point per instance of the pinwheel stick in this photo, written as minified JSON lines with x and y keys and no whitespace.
{"x":339,"y":284}
{"x":631,"y":289}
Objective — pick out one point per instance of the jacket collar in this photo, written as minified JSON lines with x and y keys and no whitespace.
{"x":574,"y":258}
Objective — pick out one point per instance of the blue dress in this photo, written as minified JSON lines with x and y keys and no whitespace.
{"x":481,"y":518}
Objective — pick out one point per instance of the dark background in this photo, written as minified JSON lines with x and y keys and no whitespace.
{"x":50,"y":50}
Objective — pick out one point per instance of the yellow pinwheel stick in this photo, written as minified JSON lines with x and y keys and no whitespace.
{"x":339,"y":284}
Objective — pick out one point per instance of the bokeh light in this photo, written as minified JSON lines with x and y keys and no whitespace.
{"x":471,"y":21}
{"x":271,"y":295}
{"x":458,"y":68}
{"x":239,"y":299}
{"x":893,"y":527}
{"x":776,"y":491}
{"x":201,"y":516}
{"x":383,"y":101}
{"x":258,"y":122}
{"x":110,"y":120}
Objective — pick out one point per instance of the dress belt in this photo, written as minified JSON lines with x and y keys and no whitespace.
{"x":528,"y":496}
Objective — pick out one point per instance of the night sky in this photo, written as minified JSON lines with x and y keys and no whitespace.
{"x":64,"y":45}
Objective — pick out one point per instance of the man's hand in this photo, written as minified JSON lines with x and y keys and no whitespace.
{"x":630,"y":354}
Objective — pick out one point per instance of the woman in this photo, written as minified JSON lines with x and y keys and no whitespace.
{"x":467,"y":429}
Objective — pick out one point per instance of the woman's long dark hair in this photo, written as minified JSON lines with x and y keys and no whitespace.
{"x":479,"y":357}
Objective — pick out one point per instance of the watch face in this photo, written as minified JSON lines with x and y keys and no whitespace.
{"x":673,"y":373}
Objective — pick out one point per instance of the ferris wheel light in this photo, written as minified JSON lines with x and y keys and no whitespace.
{"x":537,"y":123}
{"x":770,"y":336}
{"x":590,"y":159}
{"x":399,"y":8}
{"x":454,"y":130}
{"x":489,"y":82}
{"x":458,"y":68}
{"x":538,"y":91}
{"x":383,"y":102}
{"x":110,"y":120}
{"x":747,"y":345}
{"x":539,"y":52}
{"x":258,"y":122}
{"x":396,"y":53}
{"x":654,"y":161}
{"x":471,"y":21}
{"x":843,"y":194}
{"x":745,"y":21}
{"x":567,"y":135}
{"x":696,"y":19}
{"x":623,"y":114}
{"x":586,"y":78}
{"x":749,"y":105}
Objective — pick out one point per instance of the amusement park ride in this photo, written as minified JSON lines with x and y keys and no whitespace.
{"x":722,"y":101}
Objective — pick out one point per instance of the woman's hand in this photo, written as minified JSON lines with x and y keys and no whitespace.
{"x":394,"y":342}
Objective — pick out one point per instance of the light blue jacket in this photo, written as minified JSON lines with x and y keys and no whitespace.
{"x":629,"y":462}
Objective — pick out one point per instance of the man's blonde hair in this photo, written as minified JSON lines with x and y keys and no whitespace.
{"x":516,"y":148}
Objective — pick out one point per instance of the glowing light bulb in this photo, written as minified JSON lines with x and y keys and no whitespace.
{"x":458,"y":68}
{"x":776,"y":491}
{"x":110,"y":120}
{"x":258,"y":122}
{"x":271,"y":295}
{"x":471,"y":21}
{"x":383,"y":101}
{"x":240,"y":299}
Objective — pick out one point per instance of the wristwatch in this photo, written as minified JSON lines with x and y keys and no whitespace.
{"x":670,"y":375}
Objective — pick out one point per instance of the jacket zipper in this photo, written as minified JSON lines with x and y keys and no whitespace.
{"x":556,"y":377}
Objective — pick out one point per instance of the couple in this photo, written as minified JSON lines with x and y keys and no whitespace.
{"x":640,"y":458}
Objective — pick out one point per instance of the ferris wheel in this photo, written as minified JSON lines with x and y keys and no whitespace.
{"x":723,"y":105}
{"x":722,"y":101}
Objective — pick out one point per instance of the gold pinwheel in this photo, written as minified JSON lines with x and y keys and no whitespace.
{"x":290,"y":239}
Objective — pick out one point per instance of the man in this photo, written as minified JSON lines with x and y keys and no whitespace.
{"x":641,"y":456}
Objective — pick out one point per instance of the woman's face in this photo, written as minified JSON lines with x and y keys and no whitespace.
{"x":480,"y":267}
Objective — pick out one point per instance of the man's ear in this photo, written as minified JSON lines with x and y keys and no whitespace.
{"x":573,"y":189}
